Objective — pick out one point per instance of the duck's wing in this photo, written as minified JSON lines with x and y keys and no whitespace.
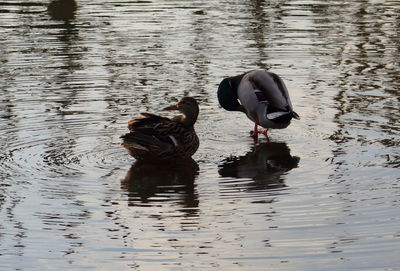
{"x":150,"y":137}
{"x":146,"y":121}
{"x":271,"y":89}
{"x":147,"y":142}
{"x":151,"y":129}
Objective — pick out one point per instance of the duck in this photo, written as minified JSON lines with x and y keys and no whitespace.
{"x":262,"y":96}
{"x":153,"y":137}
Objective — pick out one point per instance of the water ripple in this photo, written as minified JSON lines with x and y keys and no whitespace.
{"x":323,"y":192}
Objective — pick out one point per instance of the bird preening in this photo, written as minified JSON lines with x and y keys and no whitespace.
{"x":153,"y":137}
{"x":260,"y":94}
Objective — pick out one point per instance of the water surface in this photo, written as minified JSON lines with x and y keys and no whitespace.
{"x":323,"y":194}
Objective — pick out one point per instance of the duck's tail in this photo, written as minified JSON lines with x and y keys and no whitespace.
{"x":281,"y":116}
{"x":141,"y":141}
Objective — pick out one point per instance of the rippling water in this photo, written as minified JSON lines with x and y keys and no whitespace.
{"x":323,"y":194}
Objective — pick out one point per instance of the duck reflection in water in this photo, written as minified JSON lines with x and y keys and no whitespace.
{"x":264,"y":165}
{"x":152,"y":184}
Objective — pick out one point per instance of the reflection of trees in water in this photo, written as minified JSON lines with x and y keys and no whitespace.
{"x":360,"y":39}
{"x":61,"y":147}
{"x":257,"y":30}
{"x":198,"y":58}
{"x":368,"y":82}
{"x":158,"y":183}
{"x":265,"y":164}
{"x":8,"y":204}
{"x":64,"y":11}
{"x":32,"y":43}
{"x":266,"y":18}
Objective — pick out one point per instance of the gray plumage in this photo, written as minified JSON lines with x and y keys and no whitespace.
{"x":260,"y":94}
{"x":277,"y":102}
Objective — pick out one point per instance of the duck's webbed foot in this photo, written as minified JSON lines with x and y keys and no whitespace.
{"x":254,"y":133}
{"x":263,"y":131}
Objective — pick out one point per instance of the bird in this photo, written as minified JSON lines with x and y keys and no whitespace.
{"x":153,"y":137}
{"x":262,"y":96}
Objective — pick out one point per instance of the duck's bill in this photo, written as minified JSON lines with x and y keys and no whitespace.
{"x":172,"y":107}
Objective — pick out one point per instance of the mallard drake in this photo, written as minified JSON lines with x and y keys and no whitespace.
{"x":153,"y":137}
{"x":260,"y":94}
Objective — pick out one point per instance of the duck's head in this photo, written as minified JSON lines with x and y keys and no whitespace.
{"x":189,"y":108}
{"x":227,"y":93}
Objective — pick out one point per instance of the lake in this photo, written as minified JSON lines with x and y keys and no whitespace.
{"x":323,"y":194}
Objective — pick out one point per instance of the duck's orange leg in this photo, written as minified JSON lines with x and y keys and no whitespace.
{"x":254,"y":133}
{"x":263,"y":131}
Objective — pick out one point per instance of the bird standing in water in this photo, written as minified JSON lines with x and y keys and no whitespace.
{"x":153,"y":137}
{"x":262,"y":96}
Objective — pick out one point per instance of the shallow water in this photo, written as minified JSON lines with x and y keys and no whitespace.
{"x":323,"y":194}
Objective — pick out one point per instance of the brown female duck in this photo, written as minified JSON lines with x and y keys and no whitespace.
{"x":153,"y":137}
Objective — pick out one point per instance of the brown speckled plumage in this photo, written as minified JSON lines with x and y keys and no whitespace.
{"x":153,"y":137}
